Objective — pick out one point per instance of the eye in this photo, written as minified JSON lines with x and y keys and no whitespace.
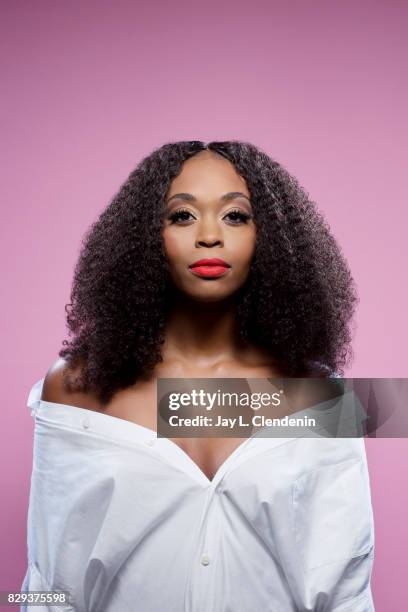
{"x":180,"y":214}
{"x":238,"y":216}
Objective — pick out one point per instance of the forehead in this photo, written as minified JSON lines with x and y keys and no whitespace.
{"x":207,"y":172}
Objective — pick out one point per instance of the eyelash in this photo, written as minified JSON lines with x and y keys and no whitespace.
{"x":244,"y":216}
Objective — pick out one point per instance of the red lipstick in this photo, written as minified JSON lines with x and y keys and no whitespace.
{"x":210,"y":267}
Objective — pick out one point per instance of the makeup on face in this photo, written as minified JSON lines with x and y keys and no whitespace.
{"x":210,"y":267}
{"x":209,"y":230}
{"x":241,"y":213}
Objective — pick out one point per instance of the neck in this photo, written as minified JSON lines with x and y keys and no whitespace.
{"x":202,"y":332}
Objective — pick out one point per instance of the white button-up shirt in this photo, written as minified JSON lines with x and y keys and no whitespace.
{"x":125,"y":521}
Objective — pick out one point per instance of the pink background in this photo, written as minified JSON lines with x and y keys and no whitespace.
{"x":91,"y":87}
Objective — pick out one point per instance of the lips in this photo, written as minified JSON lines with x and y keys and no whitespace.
{"x":210,"y":267}
{"x":214,"y":261}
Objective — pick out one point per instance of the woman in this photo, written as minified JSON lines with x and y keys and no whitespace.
{"x":123,"y":520}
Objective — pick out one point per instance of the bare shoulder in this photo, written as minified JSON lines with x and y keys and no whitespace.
{"x":55,"y":388}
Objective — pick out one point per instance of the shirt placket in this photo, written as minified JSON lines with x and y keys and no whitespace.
{"x":205,"y":558}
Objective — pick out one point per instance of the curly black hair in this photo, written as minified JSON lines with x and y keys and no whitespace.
{"x":297,"y":302}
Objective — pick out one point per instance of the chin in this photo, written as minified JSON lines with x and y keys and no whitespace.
{"x":209,"y":296}
{"x":211,"y":299}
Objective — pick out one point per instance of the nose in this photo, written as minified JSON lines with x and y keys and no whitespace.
{"x":208,"y":234}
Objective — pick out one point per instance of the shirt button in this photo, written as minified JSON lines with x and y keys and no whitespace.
{"x":85,"y":423}
{"x":150,"y":442}
{"x":205,"y":559}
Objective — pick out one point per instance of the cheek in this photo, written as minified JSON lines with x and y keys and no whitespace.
{"x":244,"y":246}
{"x":172,"y":246}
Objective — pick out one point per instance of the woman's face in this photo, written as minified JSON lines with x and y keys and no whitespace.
{"x":208,"y":215}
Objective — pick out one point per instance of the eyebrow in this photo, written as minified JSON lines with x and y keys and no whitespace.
{"x":231,"y":195}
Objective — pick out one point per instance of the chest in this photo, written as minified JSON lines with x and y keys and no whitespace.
{"x":140,"y":406}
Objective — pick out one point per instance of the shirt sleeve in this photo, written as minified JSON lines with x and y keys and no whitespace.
{"x":34,"y":581}
{"x":349,"y":589}
{"x":34,"y":396}
{"x":333,"y":533}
